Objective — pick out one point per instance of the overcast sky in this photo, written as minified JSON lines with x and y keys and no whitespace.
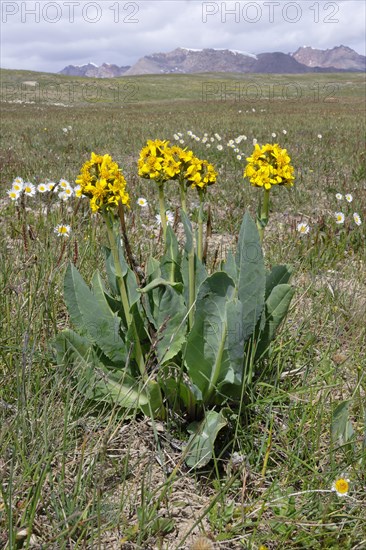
{"x":48,"y":35}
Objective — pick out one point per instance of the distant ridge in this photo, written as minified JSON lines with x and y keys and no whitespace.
{"x":189,"y":60}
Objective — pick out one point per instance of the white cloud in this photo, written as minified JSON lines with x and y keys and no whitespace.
{"x":49,"y":35}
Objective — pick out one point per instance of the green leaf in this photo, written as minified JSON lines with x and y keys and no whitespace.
{"x":206,"y":354}
{"x":279,"y":274}
{"x":188,"y":246}
{"x":203,"y":435}
{"x":90,"y":312}
{"x":341,"y":427}
{"x":100,"y":384}
{"x":276,"y":308}
{"x":170,"y":262}
{"x":251,"y":275}
{"x":167,"y":311}
{"x":229,"y":266}
{"x":179,"y":393}
{"x":128,"y":274}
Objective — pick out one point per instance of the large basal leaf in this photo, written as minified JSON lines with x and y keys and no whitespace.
{"x":94,"y":380}
{"x":167,"y":312}
{"x":279,"y":275}
{"x":201,"y":443}
{"x":276,"y":307}
{"x":251,"y":275}
{"x":128,"y":274}
{"x":230,"y":267}
{"x":90,"y":312}
{"x":178,"y":390}
{"x":206,"y":354}
{"x":170,"y":262}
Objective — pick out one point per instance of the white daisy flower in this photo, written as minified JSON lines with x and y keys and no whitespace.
{"x":238,"y":157}
{"x":339,"y":217}
{"x":42,"y":188}
{"x":65,"y":130}
{"x":176,"y":137}
{"x":320,"y":136}
{"x":236,"y":150}
{"x":169,"y":217}
{"x":339,"y":196}
{"x":219,"y":147}
{"x":218,"y":137}
{"x":69,"y":128}
{"x":142,"y":202}
{"x":273,"y":134}
{"x":63,"y":196}
{"x":303,"y":228}
{"x":208,"y":144}
{"x":357,"y":219}
{"x":189,"y":133}
{"x":64,"y":184}
{"x":348,"y":197}
{"x":18,"y":184}
{"x":204,"y":139}
{"x":181,"y":141}
{"x":29,"y":189}
{"x":197,"y":138}
{"x":50,"y":185}
{"x":253,"y":110}
{"x":13,"y":194}
{"x":62,"y":230}
{"x":212,"y":139}
{"x":341,"y":486}
{"x":284,"y":132}
{"x":68,"y":191}
{"x":255,"y":141}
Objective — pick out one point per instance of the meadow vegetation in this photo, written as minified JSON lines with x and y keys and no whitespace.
{"x":79,"y":475}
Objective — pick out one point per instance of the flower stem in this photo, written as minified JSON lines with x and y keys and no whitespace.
{"x":262,"y":220}
{"x":123,"y":293}
{"x":200,"y":225}
{"x":191,"y":287}
{"x":183,"y":194}
{"x":162,"y":208}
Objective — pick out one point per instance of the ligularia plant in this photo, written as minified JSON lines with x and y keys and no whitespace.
{"x":176,"y":338}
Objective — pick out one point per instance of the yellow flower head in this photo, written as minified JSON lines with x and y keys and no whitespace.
{"x":341,"y":486}
{"x":102,"y":181}
{"x":269,"y":165}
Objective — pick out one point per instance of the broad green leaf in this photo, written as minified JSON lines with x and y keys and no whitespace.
{"x":93,"y":314}
{"x":200,"y":445}
{"x":170,"y":262}
{"x":276,"y":308}
{"x":200,"y":275}
{"x":128,"y":275}
{"x":178,"y":392}
{"x":341,"y":427}
{"x":279,"y":274}
{"x":188,"y":246}
{"x":229,"y":266}
{"x":251,"y":275}
{"x":97,"y":382}
{"x":167,"y":311}
{"x":206,"y":354}
{"x":152,"y":269}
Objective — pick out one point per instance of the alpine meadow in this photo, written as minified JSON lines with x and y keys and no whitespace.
{"x":183,"y":296}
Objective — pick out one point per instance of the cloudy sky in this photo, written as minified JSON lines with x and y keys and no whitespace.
{"x":47,"y":35}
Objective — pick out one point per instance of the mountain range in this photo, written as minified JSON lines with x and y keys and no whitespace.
{"x":186,"y":60}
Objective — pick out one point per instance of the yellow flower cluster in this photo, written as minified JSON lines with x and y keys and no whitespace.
{"x":160,"y":162}
{"x":102,"y":181}
{"x":269,"y":165}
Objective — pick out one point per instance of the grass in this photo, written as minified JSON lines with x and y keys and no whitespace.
{"x":77,"y":476}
